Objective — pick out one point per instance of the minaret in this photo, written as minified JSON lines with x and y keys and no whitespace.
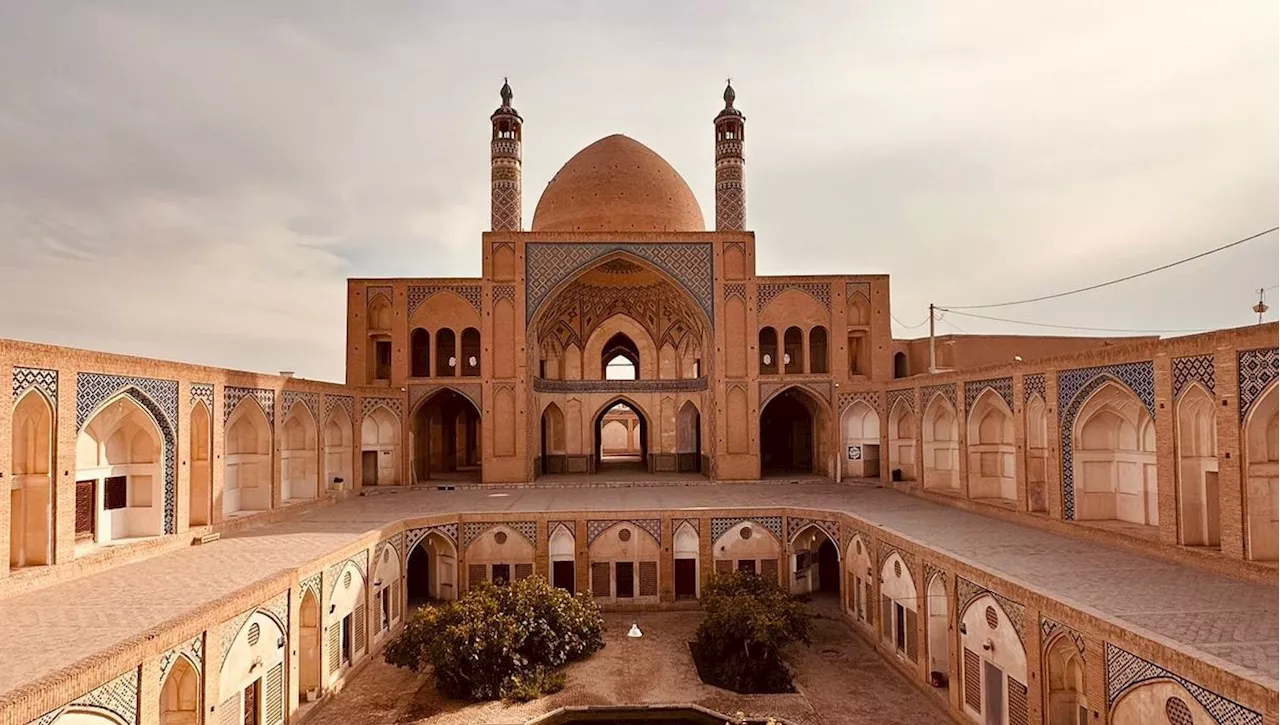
{"x":731,"y":171}
{"x":504,"y":166}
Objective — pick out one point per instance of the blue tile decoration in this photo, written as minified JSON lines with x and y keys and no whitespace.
{"x":1002,"y":387}
{"x":1075,"y":387}
{"x":233,"y":394}
{"x":159,"y":398}
{"x":1197,"y":369}
{"x":46,"y":381}
{"x":547,"y":265}
{"x":967,"y":591}
{"x":192,"y":649}
{"x":1125,"y":670}
{"x":1033,"y":385}
{"x":1050,"y":628}
{"x":1257,"y":369}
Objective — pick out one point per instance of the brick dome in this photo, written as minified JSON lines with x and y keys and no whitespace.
{"x":617,"y":184}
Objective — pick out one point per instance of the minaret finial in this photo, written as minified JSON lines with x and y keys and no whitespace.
{"x":729,"y":95}
{"x":506,"y":93}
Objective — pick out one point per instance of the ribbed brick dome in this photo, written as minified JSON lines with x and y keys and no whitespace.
{"x":617,"y":184}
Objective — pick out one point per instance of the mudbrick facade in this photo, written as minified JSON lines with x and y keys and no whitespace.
{"x":1087,"y":533}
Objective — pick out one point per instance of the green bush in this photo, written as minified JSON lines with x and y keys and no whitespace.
{"x":500,"y":641}
{"x":748,"y":622}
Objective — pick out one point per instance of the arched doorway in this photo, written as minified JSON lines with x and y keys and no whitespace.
{"x":815,"y":562}
{"x":622,"y":438}
{"x":338,"y":442}
{"x":936,"y":624}
{"x":620,"y":359}
{"x":309,"y":646}
{"x":787,"y":435}
{"x":120,"y":474}
{"x":446,"y":438}
{"x":380,"y":448}
{"x":430,"y":571}
{"x":553,"y":451}
{"x":201,"y":488}
{"x":1066,"y":703}
{"x":1037,"y":455}
{"x":1197,"y":471}
{"x":828,"y":568}
{"x":689,"y":439}
{"x":902,"y":442}
{"x":180,"y":696}
{"x":861,"y":426}
{"x":1115,"y":458}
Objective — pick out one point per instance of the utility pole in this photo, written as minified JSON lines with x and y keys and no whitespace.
{"x":1261,"y":308}
{"x":933,"y":347}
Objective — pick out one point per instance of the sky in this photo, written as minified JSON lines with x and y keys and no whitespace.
{"x":196,"y":180}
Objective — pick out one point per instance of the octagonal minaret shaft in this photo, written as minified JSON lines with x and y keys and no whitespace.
{"x":504,"y":166}
{"x":731,"y":163}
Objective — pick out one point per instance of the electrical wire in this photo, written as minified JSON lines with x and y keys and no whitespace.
{"x":904,"y":325}
{"x":1119,"y":280}
{"x":1070,"y":327}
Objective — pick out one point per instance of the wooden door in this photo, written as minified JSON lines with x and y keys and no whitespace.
{"x":369,"y":467}
{"x":686,"y":578}
{"x":86,"y":509}
{"x":624,"y":580}
{"x":251,"y":703}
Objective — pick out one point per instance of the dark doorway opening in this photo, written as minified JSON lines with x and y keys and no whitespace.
{"x":828,"y":568}
{"x":418,"y":577}
{"x":622,"y":439}
{"x":787,"y":435}
{"x":686,"y":578}
{"x":562,"y":575}
{"x":624,"y":580}
{"x":446,"y":438}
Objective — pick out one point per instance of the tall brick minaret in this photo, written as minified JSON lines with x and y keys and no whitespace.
{"x":731,"y":167}
{"x":504,"y":166}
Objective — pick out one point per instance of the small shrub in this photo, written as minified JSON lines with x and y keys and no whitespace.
{"x":500,"y":641}
{"x":748,"y":622}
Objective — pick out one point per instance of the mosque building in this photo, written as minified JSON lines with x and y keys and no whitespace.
{"x":624,"y":341}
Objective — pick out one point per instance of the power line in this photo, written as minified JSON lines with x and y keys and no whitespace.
{"x":1069,"y":327}
{"x":909,"y":327}
{"x":1121,"y":279}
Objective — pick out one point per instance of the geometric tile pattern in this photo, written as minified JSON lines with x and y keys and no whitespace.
{"x":856,"y":288}
{"x":504,"y":292}
{"x":1002,"y":386}
{"x":735,"y":289}
{"x":907,"y":396}
{"x":372,"y":293}
{"x":313,"y":584}
{"x":817,"y":290}
{"x":504,"y":206}
{"x":468,"y":292}
{"x":967,"y":591}
{"x":346,"y":401}
{"x":231,"y":628}
{"x":159,"y":398}
{"x":191,"y":649}
{"x":46,"y":381}
{"x":359,"y":560}
{"x":549,"y":264}
{"x":278,"y":607}
{"x":731,"y":207}
{"x":888,"y":550}
{"x":1033,"y":385}
{"x":772,"y":523}
{"x":946,"y":390}
{"x":119,"y":697}
{"x":569,"y":527}
{"x":933,"y":570}
{"x":311,"y":400}
{"x":1074,"y":388}
{"x":1126,"y":670}
{"x":392,"y":404}
{"x":202,"y":393}
{"x":473,"y":529}
{"x":870,"y":397}
{"x":795,"y":526}
{"x":595,"y":528}
{"x":233,"y":394}
{"x":1050,"y":628}
{"x":1257,"y":369}
{"x":415,"y":536}
{"x":1197,"y":368}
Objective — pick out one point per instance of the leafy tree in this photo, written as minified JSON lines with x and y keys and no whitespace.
{"x":748,"y":622}
{"x":500,"y":641}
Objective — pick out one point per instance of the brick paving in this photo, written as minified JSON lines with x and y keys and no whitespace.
{"x":1206,"y":615}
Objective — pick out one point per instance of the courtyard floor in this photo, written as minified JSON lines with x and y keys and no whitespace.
{"x":840,"y":680}
{"x":1230,"y":623}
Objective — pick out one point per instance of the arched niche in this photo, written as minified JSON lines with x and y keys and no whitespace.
{"x":386,"y":589}
{"x":299,"y":461}
{"x":500,"y":554}
{"x":1160,"y":701}
{"x":1037,"y":454}
{"x":119,"y":465}
{"x":899,"y":607}
{"x":686,"y":553}
{"x":624,"y":564}
{"x":562,"y":554}
{"x":689,"y":438}
{"x":180,"y":694}
{"x":380,"y":448}
{"x":254,"y":660}
{"x":815,"y":562}
{"x":860,"y":425}
{"x":902,"y":442}
{"x":1262,"y":462}
{"x":620,"y":336}
{"x":748,"y":546}
{"x":431,"y":571}
{"x":936,"y":629}
{"x":247,"y":467}
{"x":992,"y":471}
{"x":1065,"y":682}
{"x":993,"y":663}
{"x":446,"y":432}
{"x":338,"y":449}
{"x":1115,"y":458}
{"x":859,"y":599}
{"x":941,"y":445}
{"x":30,"y":489}
{"x":1199,"y":513}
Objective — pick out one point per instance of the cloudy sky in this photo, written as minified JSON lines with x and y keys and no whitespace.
{"x":195,"y":180}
